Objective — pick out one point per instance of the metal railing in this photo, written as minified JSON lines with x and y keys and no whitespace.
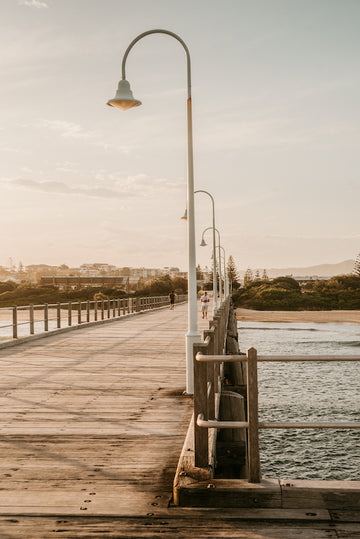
{"x":205,"y":419}
{"x":20,"y":321}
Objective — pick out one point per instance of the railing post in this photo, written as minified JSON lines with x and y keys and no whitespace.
{"x":200,"y":407}
{"x":119,"y":307}
{"x":46,"y":317}
{"x":211,"y":375}
{"x":88,"y":311}
{"x":124,"y":306}
{"x":96,"y":310}
{"x":69,"y":313}
{"x":15,"y":332}
{"x":31,"y":315}
{"x":58,"y":315}
{"x":253,"y":418}
{"x":214,"y":327}
{"x":102,"y":309}
{"x":79,"y":312}
{"x":108,"y":308}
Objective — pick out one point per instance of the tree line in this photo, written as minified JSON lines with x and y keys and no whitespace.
{"x":285,"y":293}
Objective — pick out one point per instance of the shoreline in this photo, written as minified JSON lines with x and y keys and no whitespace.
{"x":298,"y":316}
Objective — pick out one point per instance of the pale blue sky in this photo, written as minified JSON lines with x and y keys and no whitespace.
{"x":276,"y":130}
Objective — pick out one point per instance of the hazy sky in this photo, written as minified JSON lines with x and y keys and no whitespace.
{"x":276,"y":131}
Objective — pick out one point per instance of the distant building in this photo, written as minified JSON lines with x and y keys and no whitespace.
{"x":308,"y":278}
{"x":72,"y":281}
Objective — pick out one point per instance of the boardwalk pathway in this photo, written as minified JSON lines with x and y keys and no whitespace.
{"x":93,"y":421}
{"x":91,"y":427}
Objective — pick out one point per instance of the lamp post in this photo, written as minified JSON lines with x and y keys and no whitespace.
{"x":226,"y":280}
{"x":203,"y":243}
{"x":214,"y":264}
{"x":124,"y":100}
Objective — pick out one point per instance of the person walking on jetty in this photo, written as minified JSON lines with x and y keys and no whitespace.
{"x":204,"y":304}
{"x":172,"y":296}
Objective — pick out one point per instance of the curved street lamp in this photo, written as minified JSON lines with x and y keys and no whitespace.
{"x":203,"y":243}
{"x":125,"y":100}
{"x":226,"y":280}
{"x":213,"y":235}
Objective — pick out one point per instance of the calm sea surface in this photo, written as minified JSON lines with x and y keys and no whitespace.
{"x":307,"y":392}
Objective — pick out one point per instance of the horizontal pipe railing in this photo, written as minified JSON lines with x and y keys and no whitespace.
{"x":234,"y":358}
{"x":205,"y":421}
{"x":215,"y":424}
{"x":50,"y":316}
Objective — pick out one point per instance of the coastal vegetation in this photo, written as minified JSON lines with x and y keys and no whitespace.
{"x":285,"y":293}
{"x":12,"y":293}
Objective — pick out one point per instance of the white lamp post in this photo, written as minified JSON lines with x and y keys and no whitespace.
{"x":213,"y":235}
{"x":124,"y":100}
{"x":226,"y":280}
{"x":203,"y":243}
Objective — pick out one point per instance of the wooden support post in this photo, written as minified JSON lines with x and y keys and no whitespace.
{"x":58,"y":315}
{"x":31,"y":315}
{"x":118,"y":307}
{"x":253,"y":418}
{"x":108,"y":308}
{"x":200,"y":407}
{"x":79,"y":312}
{"x":15,"y":329}
{"x":88,"y":311}
{"x":114,"y":307}
{"x":69,"y":313}
{"x":46,"y":317}
{"x":96,"y":310}
{"x":102,"y":309}
{"x":124,"y":305}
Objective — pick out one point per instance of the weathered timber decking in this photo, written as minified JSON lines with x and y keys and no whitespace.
{"x":92,"y":423}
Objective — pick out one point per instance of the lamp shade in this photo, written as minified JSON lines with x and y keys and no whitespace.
{"x":203,"y":243}
{"x":185,"y":215}
{"x":124,"y":98}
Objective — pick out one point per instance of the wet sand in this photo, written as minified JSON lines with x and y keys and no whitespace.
{"x":298,"y":316}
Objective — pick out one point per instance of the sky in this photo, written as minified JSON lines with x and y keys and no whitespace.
{"x":276,"y":116}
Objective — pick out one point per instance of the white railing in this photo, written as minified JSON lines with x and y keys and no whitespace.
{"x":206,"y":420}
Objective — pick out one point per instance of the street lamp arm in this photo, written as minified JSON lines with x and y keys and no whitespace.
{"x":210,"y":195}
{"x":210,"y":228}
{"x":159,"y":31}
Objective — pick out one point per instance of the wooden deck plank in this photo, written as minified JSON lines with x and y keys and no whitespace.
{"x":101,"y":407}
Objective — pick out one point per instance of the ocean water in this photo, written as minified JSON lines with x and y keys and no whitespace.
{"x":314,"y":391}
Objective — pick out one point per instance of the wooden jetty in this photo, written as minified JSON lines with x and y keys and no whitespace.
{"x":92,"y":424}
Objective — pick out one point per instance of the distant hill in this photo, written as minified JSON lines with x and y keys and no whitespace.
{"x":321,"y":270}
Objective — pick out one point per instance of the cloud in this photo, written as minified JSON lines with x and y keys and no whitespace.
{"x":71,"y":130}
{"x":139,"y":186}
{"x":67,"y":129}
{"x":38,"y":4}
{"x":63,"y":188}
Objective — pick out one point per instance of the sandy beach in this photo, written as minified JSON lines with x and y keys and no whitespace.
{"x":298,"y":316}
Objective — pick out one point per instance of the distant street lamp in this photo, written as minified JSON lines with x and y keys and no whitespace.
{"x":226,"y":280}
{"x":213,"y":237}
{"x":203,"y":243}
{"x":125,"y":100}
